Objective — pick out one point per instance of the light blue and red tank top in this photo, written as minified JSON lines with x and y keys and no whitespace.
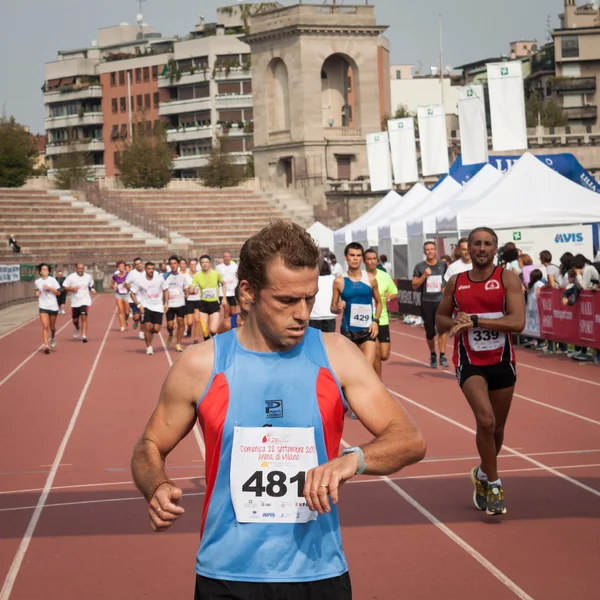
{"x":486,"y":299}
{"x":241,"y":389}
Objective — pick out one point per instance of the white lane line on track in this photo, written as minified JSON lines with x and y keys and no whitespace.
{"x":484,"y":562}
{"x":512,"y":451}
{"x":550,"y":406}
{"x":521,"y":364}
{"x":80,"y":502}
{"x":18,"y":327}
{"x":91,"y":485}
{"x":22,"y":364}
{"x":196,"y":428}
{"x":26,"y":540}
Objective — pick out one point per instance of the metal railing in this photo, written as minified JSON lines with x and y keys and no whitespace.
{"x":124,"y":209}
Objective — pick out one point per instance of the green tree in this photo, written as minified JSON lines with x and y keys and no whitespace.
{"x":146,"y":161}
{"x":18,"y":152}
{"x":72,"y":168}
{"x":221,"y":171}
{"x":549,"y":112}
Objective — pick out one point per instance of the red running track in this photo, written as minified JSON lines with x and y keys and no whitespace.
{"x":73,"y":526}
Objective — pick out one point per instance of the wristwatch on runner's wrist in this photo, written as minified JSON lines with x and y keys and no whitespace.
{"x":475,"y":320}
{"x":362,"y":466}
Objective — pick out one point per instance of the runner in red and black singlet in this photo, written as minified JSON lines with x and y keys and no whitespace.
{"x":481,"y":308}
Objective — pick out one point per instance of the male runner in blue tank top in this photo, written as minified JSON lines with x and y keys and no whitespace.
{"x":354,"y":293}
{"x":270,"y":398}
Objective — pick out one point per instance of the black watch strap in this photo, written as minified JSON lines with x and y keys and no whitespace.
{"x":475,"y":320}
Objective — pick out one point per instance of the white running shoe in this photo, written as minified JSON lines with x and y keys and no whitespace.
{"x":178,"y":348}
{"x":149,"y":350}
{"x":52,"y":343}
{"x":84,"y":339}
{"x":141,"y":335}
{"x":76,"y":333}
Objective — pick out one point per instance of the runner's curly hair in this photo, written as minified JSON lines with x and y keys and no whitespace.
{"x":287,"y":241}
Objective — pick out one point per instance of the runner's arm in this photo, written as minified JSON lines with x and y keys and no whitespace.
{"x":444,"y":321}
{"x":173,"y":418}
{"x":391,"y":291}
{"x":376,"y":297}
{"x":335,"y":299}
{"x":136,"y":301}
{"x":418,"y":280}
{"x":397,"y":443}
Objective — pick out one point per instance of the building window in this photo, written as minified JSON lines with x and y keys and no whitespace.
{"x":247,"y":87}
{"x":123,"y":102}
{"x":115,"y":106}
{"x":123,"y":131}
{"x":230,"y":116}
{"x":140,"y":101}
{"x":146,"y":74}
{"x":398,"y":74}
{"x":113,"y":79}
{"x":138,"y":75}
{"x":146,"y":100}
{"x":229,"y":88}
{"x":570,"y":46}
{"x":156,"y":99}
{"x":117,"y":157}
{"x":156,"y":125}
{"x":154,"y":72}
{"x":115,"y":132}
{"x":248,"y":114}
{"x":121,"y":77}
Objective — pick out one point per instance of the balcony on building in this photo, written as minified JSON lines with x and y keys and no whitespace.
{"x":581,"y":113}
{"x":68,"y":146}
{"x":67,"y":93}
{"x":573,"y":84}
{"x":343,"y":132}
{"x":228,"y":101}
{"x":78,"y":120}
{"x":195,"y":161}
{"x":174,"y":107}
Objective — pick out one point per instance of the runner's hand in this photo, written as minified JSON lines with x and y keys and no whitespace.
{"x":163,"y":509}
{"x":427,"y":272}
{"x":341,"y":305}
{"x":141,"y":309}
{"x":458,"y":328}
{"x":94,"y":292}
{"x":166,"y":307}
{"x":326,"y":480}
{"x":462,"y":317}
{"x":373,"y":330}
{"x":387,"y":296}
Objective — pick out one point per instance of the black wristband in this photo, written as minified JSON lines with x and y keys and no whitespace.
{"x":475,"y":320}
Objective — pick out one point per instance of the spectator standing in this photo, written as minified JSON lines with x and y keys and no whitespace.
{"x":552,"y":271}
{"x":321,"y":316}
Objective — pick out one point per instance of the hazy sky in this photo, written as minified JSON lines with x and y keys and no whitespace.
{"x":32,"y":31}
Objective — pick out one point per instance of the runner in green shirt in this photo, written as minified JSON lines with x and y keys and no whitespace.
{"x":207,"y":281}
{"x":388,"y":292}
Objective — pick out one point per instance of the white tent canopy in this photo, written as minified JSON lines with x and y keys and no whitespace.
{"x":422,"y":220}
{"x":483,"y":182}
{"x":321,"y":234}
{"x":531,"y":194}
{"x":343,"y":235}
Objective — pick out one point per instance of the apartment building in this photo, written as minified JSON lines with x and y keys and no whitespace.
{"x":207,"y":92}
{"x":577,"y":62}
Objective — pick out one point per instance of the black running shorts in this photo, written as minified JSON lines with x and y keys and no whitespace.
{"x":209,"y":308}
{"x":153,"y":317}
{"x":428,"y":311}
{"x":46,"y":311}
{"x":324,"y":325}
{"x":498,"y":377}
{"x":384,"y":334}
{"x":231,"y":300}
{"x":134,"y":308}
{"x":334,"y":588}
{"x":191,"y":306}
{"x":178,"y":311}
{"x":358,"y":337}
{"x":80,"y":311}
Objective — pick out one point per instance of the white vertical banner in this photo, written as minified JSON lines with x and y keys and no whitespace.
{"x":403,"y":145}
{"x":507,"y":106}
{"x":433,"y":138}
{"x":472,"y":124}
{"x":378,"y":157}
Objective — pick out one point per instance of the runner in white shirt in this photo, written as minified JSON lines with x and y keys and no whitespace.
{"x":80,"y":284}
{"x":461,"y":265}
{"x":47,"y":289}
{"x":179,"y":285}
{"x":137,"y":273}
{"x":151,"y":296}
{"x":228,"y":271}
{"x":192,"y":305}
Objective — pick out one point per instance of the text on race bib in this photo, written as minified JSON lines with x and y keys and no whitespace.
{"x":433,"y":284}
{"x":483,"y":340}
{"x":209,"y":293}
{"x":268,"y":472}
{"x":361,"y":315}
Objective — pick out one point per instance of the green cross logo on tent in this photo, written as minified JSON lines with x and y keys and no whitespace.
{"x":400,"y":124}
{"x":376,"y":138}
{"x":516,"y":236}
{"x":504,"y":71}
{"x":430,"y":111}
{"x":469,"y":92}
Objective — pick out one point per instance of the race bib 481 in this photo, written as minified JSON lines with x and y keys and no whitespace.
{"x":268,"y":471}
